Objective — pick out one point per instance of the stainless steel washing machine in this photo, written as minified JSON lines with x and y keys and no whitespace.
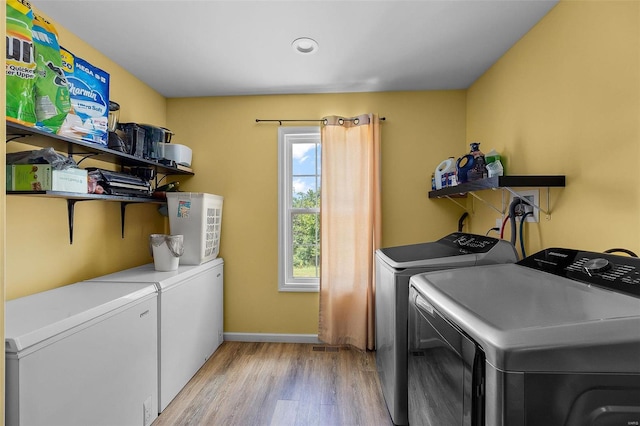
{"x":551,"y":340}
{"x":394,"y":267}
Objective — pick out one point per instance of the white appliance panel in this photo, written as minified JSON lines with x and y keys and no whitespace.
{"x":100,"y":372}
{"x":190,"y":319}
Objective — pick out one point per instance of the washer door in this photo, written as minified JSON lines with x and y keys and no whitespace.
{"x":446,"y":370}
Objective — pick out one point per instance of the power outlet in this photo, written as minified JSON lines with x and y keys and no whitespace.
{"x":147,"y":408}
{"x":533,"y":197}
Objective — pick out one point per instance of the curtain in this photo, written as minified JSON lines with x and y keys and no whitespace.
{"x":349,"y":229}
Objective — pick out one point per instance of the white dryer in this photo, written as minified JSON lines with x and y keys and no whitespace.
{"x":394,"y":268}
{"x":190,"y":319}
{"x":82,"y":354}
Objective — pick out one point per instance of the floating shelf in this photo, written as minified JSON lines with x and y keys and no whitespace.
{"x":501,"y":182}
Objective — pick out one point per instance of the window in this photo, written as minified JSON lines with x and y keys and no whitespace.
{"x":299,"y":208}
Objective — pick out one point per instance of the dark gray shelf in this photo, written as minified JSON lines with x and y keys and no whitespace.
{"x":86,"y":197}
{"x":73,"y":197}
{"x":542,"y":181}
{"x":71,"y":146}
{"x":36,"y":137}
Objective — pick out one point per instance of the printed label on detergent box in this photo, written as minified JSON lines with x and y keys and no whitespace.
{"x":89,"y":92}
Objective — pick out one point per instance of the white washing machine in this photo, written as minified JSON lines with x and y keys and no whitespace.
{"x":82,"y":354}
{"x":394,"y":267}
{"x":551,"y":340}
{"x":190,"y":319}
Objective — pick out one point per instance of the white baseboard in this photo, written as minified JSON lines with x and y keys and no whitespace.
{"x":270,"y":337}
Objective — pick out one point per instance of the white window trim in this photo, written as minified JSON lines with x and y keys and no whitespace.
{"x":286,"y":282}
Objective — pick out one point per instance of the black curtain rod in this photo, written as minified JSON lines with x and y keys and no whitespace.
{"x":320,"y":121}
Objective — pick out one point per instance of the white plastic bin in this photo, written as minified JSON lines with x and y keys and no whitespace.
{"x":197,"y":216}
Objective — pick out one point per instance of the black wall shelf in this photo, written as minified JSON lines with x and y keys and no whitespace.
{"x":543,"y":181}
{"x":39,"y":138}
{"x":501,"y":182}
{"x":24,"y":134}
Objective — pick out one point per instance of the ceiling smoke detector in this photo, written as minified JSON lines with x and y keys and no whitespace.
{"x":305,"y":45}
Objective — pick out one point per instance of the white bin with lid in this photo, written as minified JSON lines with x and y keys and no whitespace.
{"x":197,"y":216}
{"x":83,"y":354}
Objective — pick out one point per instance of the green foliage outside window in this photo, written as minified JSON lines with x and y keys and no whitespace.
{"x":306,"y":235}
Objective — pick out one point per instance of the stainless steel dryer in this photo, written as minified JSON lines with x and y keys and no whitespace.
{"x":394,"y":267}
{"x":551,"y":340}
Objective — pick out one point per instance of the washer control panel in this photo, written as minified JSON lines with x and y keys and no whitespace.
{"x":469,"y":243}
{"x":617,"y":273}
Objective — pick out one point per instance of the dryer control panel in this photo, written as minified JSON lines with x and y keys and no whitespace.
{"x":617,"y":273}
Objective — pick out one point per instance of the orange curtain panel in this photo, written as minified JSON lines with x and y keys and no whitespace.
{"x":350,"y":226}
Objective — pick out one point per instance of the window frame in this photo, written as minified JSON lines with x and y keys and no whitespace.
{"x":286,"y":138}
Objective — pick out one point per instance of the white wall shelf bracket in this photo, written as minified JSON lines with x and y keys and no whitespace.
{"x":454,"y":201}
{"x":474,"y":195}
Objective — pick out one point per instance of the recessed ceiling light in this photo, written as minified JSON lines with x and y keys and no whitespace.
{"x":305,"y":45}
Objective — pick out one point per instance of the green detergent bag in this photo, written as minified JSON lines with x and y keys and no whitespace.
{"x":21,"y":66}
{"x":52,"y":102}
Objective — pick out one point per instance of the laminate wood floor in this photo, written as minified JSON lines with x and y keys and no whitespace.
{"x":281,"y":384}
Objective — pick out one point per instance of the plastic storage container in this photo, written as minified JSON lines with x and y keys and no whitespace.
{"x":179,"y":153}
{"x":197,"y":216}
{"x":134,"y":139}
{"x":155,"y":137}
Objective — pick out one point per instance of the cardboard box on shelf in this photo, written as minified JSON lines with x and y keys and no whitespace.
{"x":41,"y":177}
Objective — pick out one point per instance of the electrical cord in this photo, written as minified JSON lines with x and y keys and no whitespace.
{"x":492,"y":229}
{"x":621,"y":250}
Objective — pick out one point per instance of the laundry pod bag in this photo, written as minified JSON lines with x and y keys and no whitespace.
{"x":52,"y":101}
{"x":21,"y":65}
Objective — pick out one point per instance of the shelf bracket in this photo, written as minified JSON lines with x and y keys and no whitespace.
{"x":71,"y":204}
{"x":485,"y":202}
{"x":454,"y":201}
{"x":526,"y":201}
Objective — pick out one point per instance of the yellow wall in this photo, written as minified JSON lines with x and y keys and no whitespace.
{"x":236,"y":157}
{"x":566,"y":100}
{"x":39,"y":256}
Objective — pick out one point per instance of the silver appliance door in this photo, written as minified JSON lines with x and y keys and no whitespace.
{"x":446,"y":370}
{"x":392,"y":299}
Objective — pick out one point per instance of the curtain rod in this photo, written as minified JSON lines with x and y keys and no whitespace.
{"x":320,"y":121}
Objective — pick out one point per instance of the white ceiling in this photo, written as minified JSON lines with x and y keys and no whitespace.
{"x":185,"y":48}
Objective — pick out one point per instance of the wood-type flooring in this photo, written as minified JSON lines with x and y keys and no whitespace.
{"x":281,"y":384}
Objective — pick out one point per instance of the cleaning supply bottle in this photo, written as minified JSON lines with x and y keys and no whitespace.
{"x":478,"y":170}
{"x":492,"y":157}
{"x":443,"y":171}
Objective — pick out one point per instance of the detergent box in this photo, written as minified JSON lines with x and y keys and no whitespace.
{"x":89,"y":93}
{"x":42,"y":177}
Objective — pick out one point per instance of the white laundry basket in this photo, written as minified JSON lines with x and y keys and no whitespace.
{"x":197,"y":216}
